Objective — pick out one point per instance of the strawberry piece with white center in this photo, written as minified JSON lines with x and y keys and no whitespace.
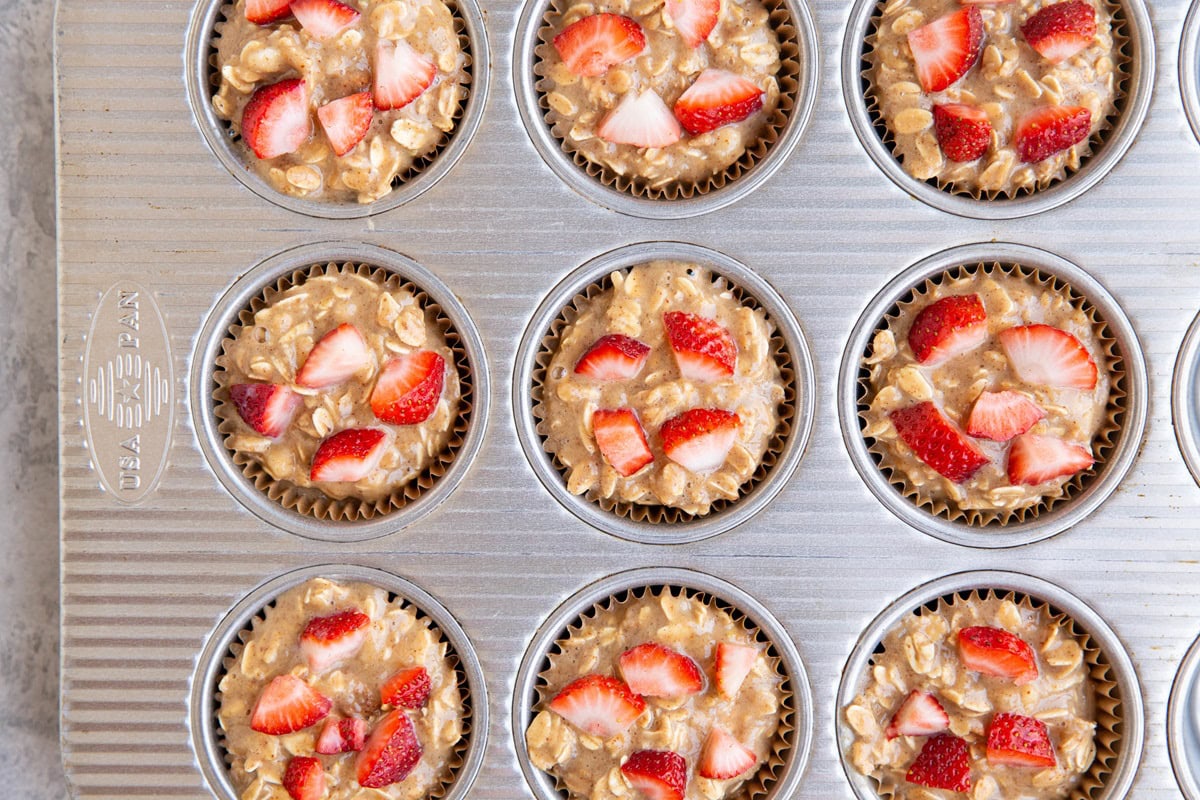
{"x":694,"y":19}
{"x":653,"y":670}
{"x":946,"y":48}
{"x":717,"y":97}
{"x":641,"y":120}
{"x":657,"y":774}
{"x":276,"y":121}
{"x":1014,"y":740}
{"x":947,"y":328}
{"x":409,"y":688}
{"x":598,"y":704}
{"x":264,"y":12}
{"x":287,"y":705}
{"x":919,"y":715}
{"x":1046,"y":356}
{"x":336,"y":357}
{"x":349,"y":455}
{"x":996,"y":652}
{"x":1061,"y":30}
{"x":724,"y":757}
{"x":266,"y":407}
{"x":593,"y":45}
{"x":304,"y":779}
{"x":339,"y":735}
{"x":1051,"y":129}
{"x":401,"y":74}
{"x":699,"y":439}
{"x":613,"y":357}
{"x":391,"y":753}
{"x":937,"y":441}
{"x":1034,"y":459}
{"x":964,"y":132}
{"x":621,"y":439}
{"x":704,"y":349}
{"x":943,"y":763}
{"x":1000,"y":416}
{"x":324,"y":19}
{"x":347,"y":120}
{"x":327,"y":641}
{"x":731,"y":664}
{"x":409,"y":388}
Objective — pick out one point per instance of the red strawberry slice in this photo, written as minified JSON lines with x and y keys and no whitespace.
{"x":704,"y":349}
{"x":1034,"y":459}
{"x":593,"y":45}
{"x":621,"y":439}
{"x":330,"y":640}
{"x":1017,"y":741}
{"x":1047,"y":356}
{"x":266,"y":407}
{"x":349,"y":455}
{"x":1060,"y":31}
{"x":997,"y":652}
{"x":324,"y":19}
{"x":943,"y":763}
{"x":1045,"y":131}
{"x":409,"y":388}
{"x":919,"y":715}
{"x":1000,"y":416}
{"x":347,"y":120}
{"x":641,"y":120}
{"x":694,"y":19}
{"x":264,"y":12}
{"x":614,"y":357}
{"x":699,"y":439}
{"x":948,"y":328}
{"x":276,"y":120}
{"x":947,"y":47}
{"x":339,"y":735}
{"x":337,"y":356}
{"x":717,"y":97}
{"x":391,"y":752}
{"x":732,"y":664}
{"x":304,"y":779}
{"x":938,"y":442}
{"x":964,"y":132}
{"x":401,"y":74}
{"x":408,"y":688}
{"x":287,"y":705}
{"x":653,"y":670}
{"x":598,"y":704}
{"x":658,"y":774}
{"x":724,"y":757}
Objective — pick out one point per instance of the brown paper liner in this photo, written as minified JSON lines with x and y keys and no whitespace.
{"x":767,"y":774}
{"x":789,"y":75}
{"x":1121,"y":61}
{"x":656,"y":513}
{"x":1103,"y":442}
{"x":310,"y":500}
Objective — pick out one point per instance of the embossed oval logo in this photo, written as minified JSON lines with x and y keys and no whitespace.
{"x":128,"y":392}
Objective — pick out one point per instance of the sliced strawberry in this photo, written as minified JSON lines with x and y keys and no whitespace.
{"x":694,"y":19}
{"x":717,"y":97}
{"x":391,"y":752}
{"x":1034,"y":459}
{"x":264,"y":12}
{"x":1017,"y":741}
{"x":339,"y":735}
{"x":699,"y":439}
{"x":947,"y":328}
{"x":997,"y":652}
{"x":337,"y":356}
{"x":614,"y":357}
{"x":401,"y":74}
{"x":621,"y":439}
{"x":1045,"y":131}
{"x":723,"y":756}
{"x":330,"y":640}
{"x":348,"y":455}
{"x":964,"y":132}
{"x":943,"y":763}
{"x":704,"y":349}
{"x":641,"y":120}
{"x":732,"y":663}
{"x":947,"y":47}
{"x":658,"y":774}
{"x":276,"y":120}
{"x":919,"y":715}
{"x":409,"y":388}
{"x":304,"y":779}
{"x":408,"y":688}
{"x":347,"y":120}
{"x":598,"y":704}
{"x":266,"y":407}
{"x":287,"y":705}
{"x":938,"y":442}
{"x":1000,"y":416}
{"x":324,"y":19}
{"x":1047,"y":356}
{"x":1060,"y":31}
{"x":593,"y":45}
{"x":653,"y":670}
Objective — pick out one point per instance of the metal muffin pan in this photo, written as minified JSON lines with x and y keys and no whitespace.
{"x":1183,"y":724}
{"x":1185,"y":398}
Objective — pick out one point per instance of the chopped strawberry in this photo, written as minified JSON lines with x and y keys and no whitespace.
{"x":391,"y":752}
{"x":304,"y":779}
{"x":614,"y":357}
{"x":641,"y":120}
{"x":347,"y":120}
{"x":947,"y":47}
{"x":704,"y":349}
{"x":997,"y":652}
{"x":947,"y":328}
{"x":409,"y":688}
{"x":1034,"y":459}
{"x":409,"y":388}
{"x":276,"y":121}
{"x":264,"y":12}
{"x":717,"y":97}
{"x":919,"y":715}
{"x":938,"y":442}
{"x":1017,"y":741}
{"x":339,"y":735}
{"x":593,"y":45}
{"x":732,"y":663}
{"x":964,"y":132}
{"x":723,"y":756}
{"x":1047,"y":356}
{"x":401,"y":74}
{"x":287,"y":705}
{"x":1000,"y":416}
{"x":1045,"y":131}
{"x":653,"y":670}
{"x":324,"y":19}
{"x":330,"y":640}
{"x":1060,"y":31}
{"x":658,"y":774}
{"x":598,"y":704}
{"x":694,"y":19}
{"x":266,"y":407}
{"x":943,"y":763}
{"x":348,"y":455}
{"x":621,"y":439}
{"x":699,"y":439}
{"x":337,"y":356}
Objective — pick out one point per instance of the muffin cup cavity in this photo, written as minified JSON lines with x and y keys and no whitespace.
{"x":1183,"y":724}
{"x":1189,"y":67}
{"x":1185,"y":399}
